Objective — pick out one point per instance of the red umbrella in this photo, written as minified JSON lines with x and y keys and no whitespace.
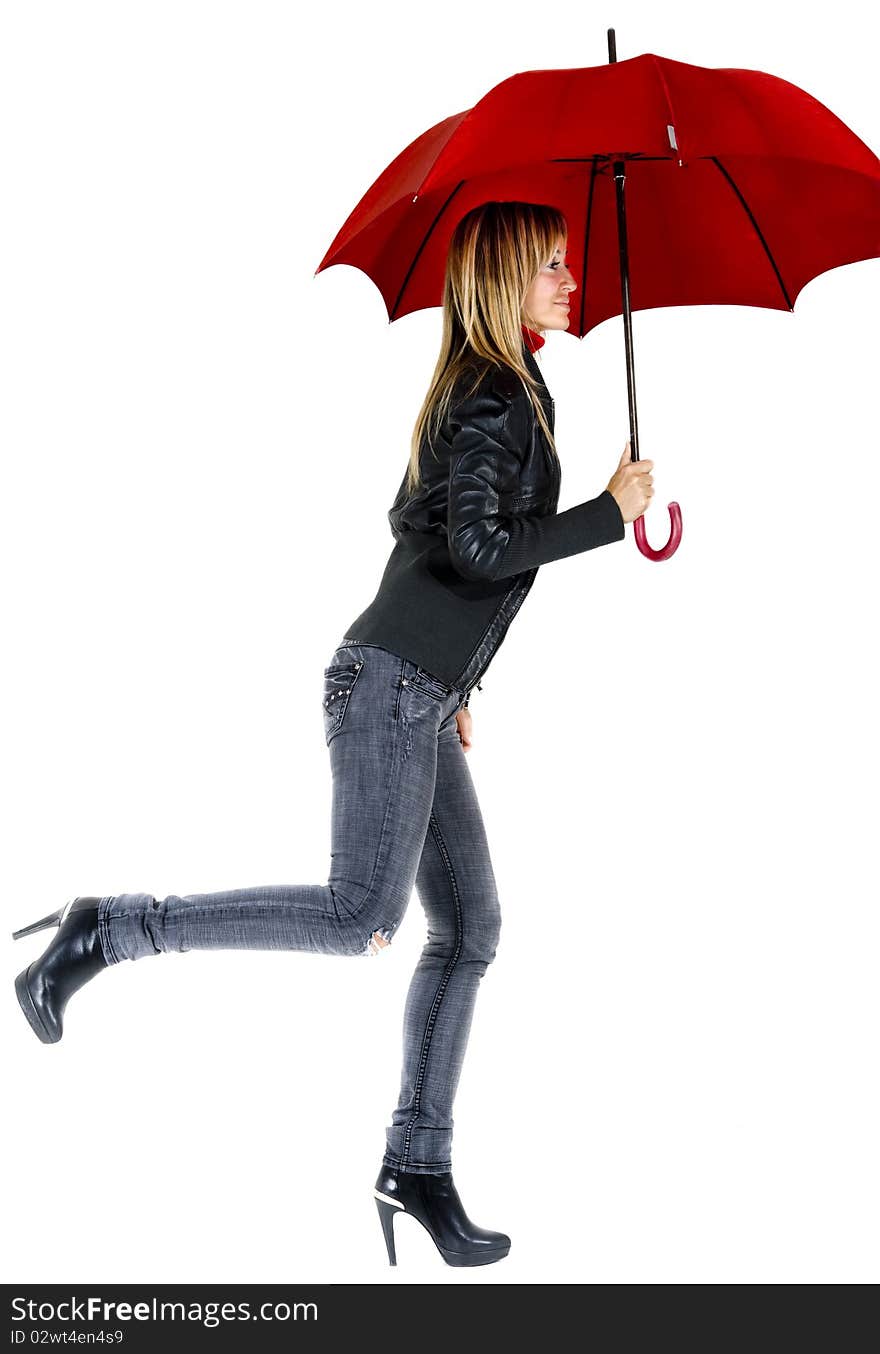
{"x":740,"y":189}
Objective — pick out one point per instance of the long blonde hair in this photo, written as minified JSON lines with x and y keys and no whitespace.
{"x":496,"y":252}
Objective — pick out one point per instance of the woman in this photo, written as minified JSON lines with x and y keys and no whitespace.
{"x":473,"y":520}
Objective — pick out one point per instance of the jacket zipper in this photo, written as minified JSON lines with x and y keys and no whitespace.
{"x":522,"y":597}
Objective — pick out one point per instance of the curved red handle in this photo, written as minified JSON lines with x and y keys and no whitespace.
{"x":674,"y":535}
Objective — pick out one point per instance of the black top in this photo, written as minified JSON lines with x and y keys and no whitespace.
{"x":469,"y":542}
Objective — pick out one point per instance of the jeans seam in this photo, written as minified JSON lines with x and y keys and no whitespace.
{"x":434,"y":827}
{"x":383,"y":834}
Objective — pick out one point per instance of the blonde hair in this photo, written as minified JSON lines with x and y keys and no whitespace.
{"x":496,"y":252}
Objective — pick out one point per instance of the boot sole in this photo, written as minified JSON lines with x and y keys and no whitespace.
{"x":25,"y":1001}
{"x":480,"y":1258}
{"x":465,"y":1259}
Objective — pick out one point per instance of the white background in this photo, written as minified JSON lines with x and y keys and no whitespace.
{"x":671,"y":1076}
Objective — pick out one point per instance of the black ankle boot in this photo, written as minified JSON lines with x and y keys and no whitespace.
{"x":74,"y":956}
{"x":433,"y":1199}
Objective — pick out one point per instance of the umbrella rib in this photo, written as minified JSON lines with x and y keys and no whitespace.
{"x":587,"y":246}
{"x":418,"y":253}
{"x":758,"y":232}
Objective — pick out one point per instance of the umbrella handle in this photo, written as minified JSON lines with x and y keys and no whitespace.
{"x":674,"y":535}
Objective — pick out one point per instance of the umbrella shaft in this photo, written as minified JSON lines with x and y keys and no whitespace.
{"x":619,"y":181}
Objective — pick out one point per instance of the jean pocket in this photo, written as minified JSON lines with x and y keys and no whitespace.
{"x":339,"y":681}
{"x":428,"y":684}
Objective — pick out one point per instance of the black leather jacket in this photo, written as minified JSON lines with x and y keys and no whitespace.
{"x":470,"y":540}
{"x":492,"y":482}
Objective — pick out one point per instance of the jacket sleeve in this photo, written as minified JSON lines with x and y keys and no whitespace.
{"x":483,"y":542}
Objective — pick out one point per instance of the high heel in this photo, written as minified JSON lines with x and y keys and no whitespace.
{"x":387,"y":1210}
{"x":434,"y":1201}
{"x":53,"y":919}
{"x":72,"y":958}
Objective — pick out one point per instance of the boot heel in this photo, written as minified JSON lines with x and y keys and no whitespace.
{"x":54,"y":919}
{"x":386,"y":1217}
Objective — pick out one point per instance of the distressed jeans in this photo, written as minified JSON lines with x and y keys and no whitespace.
{"x":404,"y":814}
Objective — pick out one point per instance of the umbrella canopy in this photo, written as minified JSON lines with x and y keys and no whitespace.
{"x":740,"y":187}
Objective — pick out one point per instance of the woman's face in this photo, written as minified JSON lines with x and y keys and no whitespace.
{"x":545,"y":306}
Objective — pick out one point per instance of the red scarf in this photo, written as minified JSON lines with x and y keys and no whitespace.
{"x":533,"y":340}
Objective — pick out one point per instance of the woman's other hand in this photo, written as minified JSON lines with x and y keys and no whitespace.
{"x":632,"y":486}
{"x":465,"y":723}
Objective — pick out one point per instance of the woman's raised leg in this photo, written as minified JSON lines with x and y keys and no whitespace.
{"x":383,"y":761}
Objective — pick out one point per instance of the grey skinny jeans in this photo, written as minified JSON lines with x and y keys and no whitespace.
{"x":404,"y":813}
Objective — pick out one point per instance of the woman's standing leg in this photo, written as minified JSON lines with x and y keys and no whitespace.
{"x":456,"y":885}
